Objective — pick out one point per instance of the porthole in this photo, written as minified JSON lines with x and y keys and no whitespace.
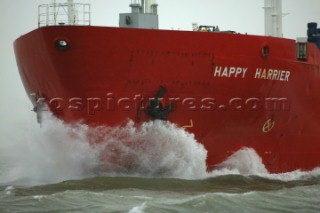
{"x":62,"y":44}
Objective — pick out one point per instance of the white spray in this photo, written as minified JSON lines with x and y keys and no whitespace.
{"x":58,"y":152}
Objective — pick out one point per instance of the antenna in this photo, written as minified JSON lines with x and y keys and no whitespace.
{"x":273,"y":18}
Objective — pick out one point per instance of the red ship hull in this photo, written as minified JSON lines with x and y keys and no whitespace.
{"x":230,"y":90}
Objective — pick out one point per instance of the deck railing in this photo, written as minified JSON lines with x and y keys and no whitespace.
{"x":64,"y":14}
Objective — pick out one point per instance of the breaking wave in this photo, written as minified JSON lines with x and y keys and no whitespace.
{"x":57,"y":152}
{"x":52,"y":153}
{"x":156,"y":149}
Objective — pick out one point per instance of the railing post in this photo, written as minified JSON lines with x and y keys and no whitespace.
{"x":47,"y":15}
{"x":39,"y":16}
{"x":54,"y":13}
{"x":89,"y":15}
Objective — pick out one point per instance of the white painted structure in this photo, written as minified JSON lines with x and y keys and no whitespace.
{"x":145,"y":6}
{"x":144,"y":14}
{"x":273,"y":18}
{"x":150,"y":6}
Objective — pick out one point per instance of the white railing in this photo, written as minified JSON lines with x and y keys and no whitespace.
{"x":64,"y":14}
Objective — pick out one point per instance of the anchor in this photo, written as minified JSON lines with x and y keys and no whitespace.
{"x":39,"y":106}
{"x":156,"y":108}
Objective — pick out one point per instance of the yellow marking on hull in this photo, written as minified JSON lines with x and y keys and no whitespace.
{"x":189,"y":125}
{"x":268,"y":126}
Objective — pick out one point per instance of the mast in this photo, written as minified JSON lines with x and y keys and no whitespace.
{"x":273,"y":18}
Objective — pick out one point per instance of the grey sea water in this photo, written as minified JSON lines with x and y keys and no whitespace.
{"x":227,"y":193}
{"x":158,"y":168}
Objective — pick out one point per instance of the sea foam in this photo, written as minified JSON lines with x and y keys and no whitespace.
{"x":58,"y":151}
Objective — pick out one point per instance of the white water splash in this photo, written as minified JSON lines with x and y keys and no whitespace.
{"x":156,"y":149}
{"x":58,"y":152}
{"x":53,"y":153}
{"x":138,"y":209}
{"x":245,"y":162}
{"x":294,"y":175}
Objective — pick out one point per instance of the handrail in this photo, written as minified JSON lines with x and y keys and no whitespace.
{"x":59,"y":14}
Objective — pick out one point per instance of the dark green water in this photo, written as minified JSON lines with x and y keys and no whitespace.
{"x":227,"y":193}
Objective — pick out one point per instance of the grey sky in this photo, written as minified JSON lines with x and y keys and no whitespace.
{"x":18,"y":17}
